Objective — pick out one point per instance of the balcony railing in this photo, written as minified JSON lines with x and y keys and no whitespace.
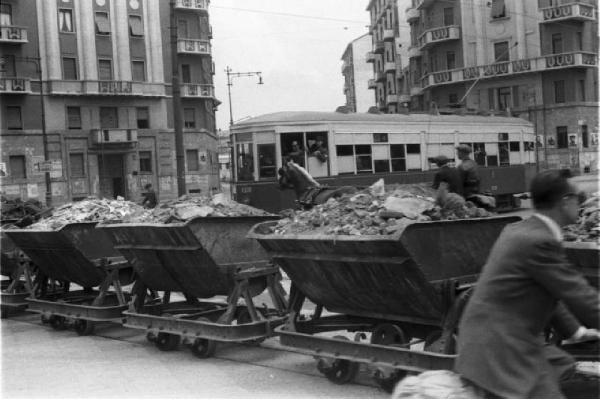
{"x":197,"y":90}
{"x":192,"y":5}
{"x":573,"y":11}
{"x":389,"y":66}
{"x":105,"y":88}
{"x":438,"y":35}
{"x":372,"y":84}
{"x":379,"y":47}
{"x":414,"y":52}
{"x":370,"y":56}
{"x":13,"y":34}
{"x":114,"y":136}
{"x":538,"y":64}
{"x":391,"y":99}
{"x":15,"y":85}
{"x":193,"y":46}
{"x":379,"y":76}
{"x":114,"y":87}
{"x":412,"y":14}
{"x":345,"y":65}
{"x":388,"y":34}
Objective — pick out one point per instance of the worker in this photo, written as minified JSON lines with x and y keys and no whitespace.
{"x":149,"y":200}
{"x":500,"y":343}
{"x":297,"y":153}
{"x":468,"y":171}
{"x":319,"y":149}
{"x":446,"y":174}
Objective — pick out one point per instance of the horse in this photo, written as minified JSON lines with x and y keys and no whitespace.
{"x":308,"y":191}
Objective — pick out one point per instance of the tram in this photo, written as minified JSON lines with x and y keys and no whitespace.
{"x":359,"y":149}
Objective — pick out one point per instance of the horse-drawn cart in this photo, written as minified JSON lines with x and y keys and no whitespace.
{"x":204,"y":257}
{"x":76,"y":254}
{"x":402,"y":290}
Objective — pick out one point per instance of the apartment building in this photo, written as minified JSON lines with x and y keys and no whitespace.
{"x":86,"y":84}
{"x":357,"y":74}
{"x":535,"y":59}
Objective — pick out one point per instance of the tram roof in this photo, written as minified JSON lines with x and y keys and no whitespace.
{"x":292,"y":117}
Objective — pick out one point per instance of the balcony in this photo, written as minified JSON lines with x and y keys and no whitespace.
{"x":499,"y":69}
{"x":380,"y":76}
{"x":439,"y":35}
{"x":403,"y":98}
{"x":192,"y":90}
{"x":372,"y":84}
{"x":572,"y":11}
{"x":389,"y":67}
{"x":15,"y":85}
{"x":370,"y":56}
{"x":379,"y":47}
{"x":13,"y":34}
{"x":416,"y":90}
{"x":193,"y":46}
{"x":346,"y":65}
{"x":192,"y":5}
{"x":104,"y":88}
{"x":114,"y":136}
{"x":421,"y":4}
{"x":412,"y":14}
{"x":414,"y":52}
{"x":388,"y":35}
{"x":391,"y":99}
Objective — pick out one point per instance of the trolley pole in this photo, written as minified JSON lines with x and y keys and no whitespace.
{"x":177,"y":116}
{"x":230,"y":76}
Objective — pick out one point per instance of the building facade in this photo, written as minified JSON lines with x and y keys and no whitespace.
{"x":535,"y":59}
{"x":88,"y":83}
{"x":356,"y":74}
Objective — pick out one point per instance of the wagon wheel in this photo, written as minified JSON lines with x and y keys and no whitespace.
{"x":389,"y":335}
{"x":202,"y":347}
{"x":245,"y":318}
{"x":58,"y":322}
{"x":167,"y":342}
{"x":84,"y":327}
{"x":340,"y":371}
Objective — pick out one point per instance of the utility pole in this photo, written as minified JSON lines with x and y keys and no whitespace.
{"x":177,"y":115}
{"x":230,"y":76}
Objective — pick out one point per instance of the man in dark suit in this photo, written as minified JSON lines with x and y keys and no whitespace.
{"x":500,"y":344}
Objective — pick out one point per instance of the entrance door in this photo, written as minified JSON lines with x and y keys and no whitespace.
{"x":112,"y":176}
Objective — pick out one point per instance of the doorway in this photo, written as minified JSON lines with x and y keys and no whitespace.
{"x":112,"y":175}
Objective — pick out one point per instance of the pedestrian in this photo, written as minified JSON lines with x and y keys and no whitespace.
{"x":319,"y":149}
{"x":446,"y":174}
{"x":149,"y":200}
{"x":297,"y":153}
{"x":527,"y":283}
{"x":468,"y":169}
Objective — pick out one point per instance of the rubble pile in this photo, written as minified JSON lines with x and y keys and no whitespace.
{"x":377,"y":211}
{"x":587,"y":228}
{"x":187,"y":207}
{"x":90,"y":210}
{"x":22,"y":213}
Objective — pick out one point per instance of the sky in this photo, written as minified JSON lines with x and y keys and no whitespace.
{"x":297,"y":45}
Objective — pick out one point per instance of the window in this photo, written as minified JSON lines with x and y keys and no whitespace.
{"x":189,"y":118}
{"x":191,"y":159}
{"x":557,"y":46}
{"x":579,"y":40}
{"x":450,"y":60}
{"x":145,"y":161}
{"x":7,"y":65}
{"x":102,"y":23}
{"x":504,"y":155}
{"x":138,"y":71}
{"x":581,"y":90}
{"x":17,"y":167}
{"x":448,"y":16}
{"x":136,"y":28}
{"x":413,"y":148}
{"x":498,"y":9}
{"x":515,"y":96}
{"x":504,"y":98}
{"x":584,"y":136}
{"x":479,"y":153}
{"x":559,"y":91}
{"x":501,"y":52}
{"x":76,"y":165}
{"x":380,"y":137}
{"x":502,"y":136}
{"x":182,"y":29}
{"x":491,"y":102}
{"x":186,"y":76}
{"x":13,"y":118}
{"x":245,"y":162}
{"x":105,"y":70}
{"x":363,"y":158}
{"x":398,"y":157}
{"x":562,"y":137}
{"x":5,"y":15}
{"x":65,"y":20}
{"x":109,"y":118}
{"x":143,"y":118}
{"x":514,"y":146}
{"x":266,"y":161}
{"x":69,"y":68}
{"x":74,"y":117}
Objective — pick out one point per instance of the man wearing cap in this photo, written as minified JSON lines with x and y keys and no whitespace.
{"x":446,"y":174}
{"x":297,"y":153}
{"x":468,"y":171}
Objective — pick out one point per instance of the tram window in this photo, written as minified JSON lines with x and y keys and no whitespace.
{"x":502,"y":136}
{"x":364,"y":160}
{"x":382,"y":165}
{"x":397,"y":150}
{"x":398,"y":157}
{"x":266,"y":160}
{"x":398,"y":165}
{"x":380,"y":137}
{"x":344,"y":150}
{"x":492,"y":160}
{"x":479,"y":153}
{"x":413,"y":148}
{"x":515,"y":146}
{"x":504,"y":156}
{"x":345,"y":159}
{"x":245,"y":162}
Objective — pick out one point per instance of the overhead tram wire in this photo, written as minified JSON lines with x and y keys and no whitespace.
{"x":285,"y":14}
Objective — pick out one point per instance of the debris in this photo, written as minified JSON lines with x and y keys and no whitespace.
{"x":587,"y":228}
